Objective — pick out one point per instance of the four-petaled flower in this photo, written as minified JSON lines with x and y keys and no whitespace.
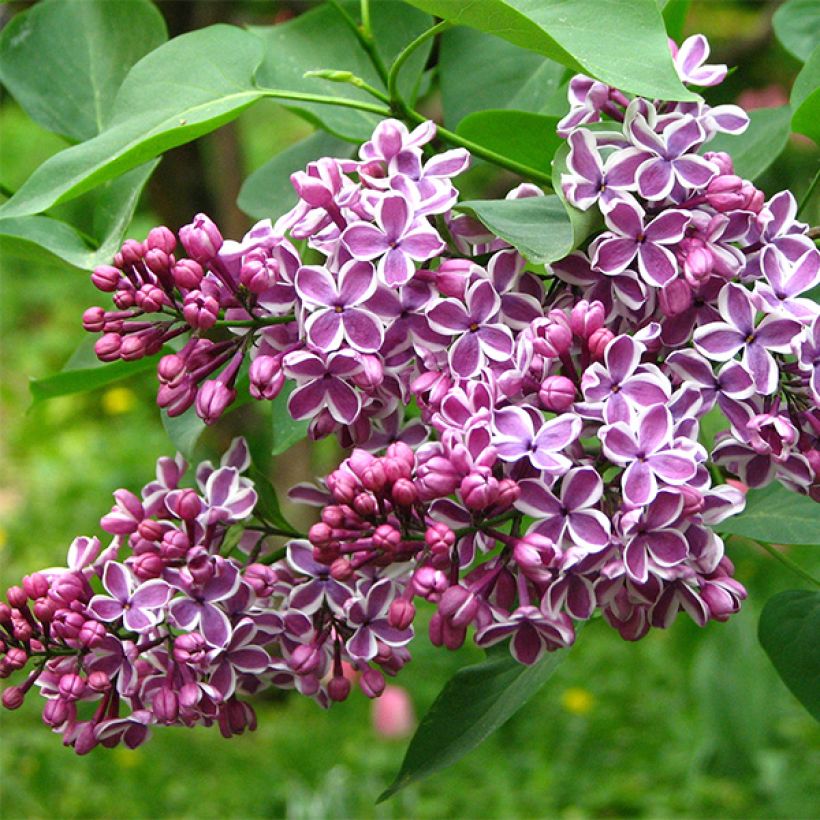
{"x":139,"y":606}
{"x":368,"y":615}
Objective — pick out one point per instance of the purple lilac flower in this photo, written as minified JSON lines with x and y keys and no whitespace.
{"x":237,"y":656}
{"x":337,"y":312}
{"x":319,"y":587}
{"x":515,"y":436}
{"x":721,"y":341}
{"x":367,"y":615}
{"x":807,"y":349}
{"x":572,"y":519}
{"x":667,"y":157}
{"x":398,"y":240}
{"x":786,"y":280}
{"x":690,"y":62}
{"x":139,"y":606}
{"x":479,"y":336}
{"x":533,"y":632}
{"x":628,"y":238}
{"x":648,"y":451}
{"x":323,"y":383}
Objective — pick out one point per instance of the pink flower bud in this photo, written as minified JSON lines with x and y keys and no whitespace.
{"x":338,"y":689}
{"x":107,"y":347}
{"x":304,"y":659}
{"x":266,"y":377}
{"x":427,"y":581}
{"x":161,"y":238}
{"x":13,"y":697}
{"x":99,"y":681}
{"x":478,"y":491}
{"x":341,"y":570}
{"x":722,"y":160}
{"x":586,"y":318}
{"x":452,"y":277}
{"x":403,"y":452}
{"x":188,"y":505}
{"x":371,"y":374}
{"x":159,"y":263}
{"x":150,"y":298}
{"x":401,"y":613}
{"x":148,"y":565}
{"x":190,"y":648}
{"x":71,"y":687}
{"x":508,"y":493}
{"x":439,"y":536}
{"x":166,"y":706}
{"x":372,"y":683}
{"x":725,"y":193}
{"x":91,"y":634}
{"x":404,"y":492}
{"x":5,"y":613}
{"x":359,"y":460}
{"x":201,"y":239}
{"x":106,"y":278}
{"x":213,"y":399}
{"x":200,"y":311}
{"x":56,"y":712}
{"x":44,"y":610}
{"x":557,"y":393}
{"x":16,"y":658}
{"x":373,"y":477}
{"x":320,"y":534}
{"x":598,"y":342}
{"x":94,"y":320}
{"x":535,"y":554}
{"x":16,"y":596}
{"x":132,"y":252}
{"x":458,"y":605}
{"x":387,"y":538}
{"x":187,"y":274}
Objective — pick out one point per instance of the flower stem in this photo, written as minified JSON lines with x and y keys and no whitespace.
{"x":321,"y":99}
{"x":262,"y":321}
{"x":404,"y":55}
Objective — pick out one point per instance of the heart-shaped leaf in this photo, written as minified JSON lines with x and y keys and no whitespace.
{"x":620,"y":43}
{"x":475,"y":702}
{"x":788,"y":631}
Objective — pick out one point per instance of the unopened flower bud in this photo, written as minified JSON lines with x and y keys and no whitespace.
{"x":341,"y":570}
{"x":106,"y":278}
{"x":372,"y":683}
{"x":94,"y":320}
{"x":387,"y":538}
{"x":200,"y":311}
{"x":304,"y":659}
{"x":266,"y":377}
{"x":338,"y":688}
{"x":16,"y":658}
{"x":598,"y":342}
{"x":586,"y":318}
{"x":150,"y":298}
{"x":201,"y":239}
{"x":722,"y":160}
{"x":166,"y":706}
{"x":56,"y":712}
{"x":557,"y":393}
{"x":107,"y":347}
{"x":404,"y":492}
{"x":187,"y":274}
{"x":13,"y":697}
{"x":188,"y":505}
{"x":213,"y":399}
{"x":452,"y":276}
{"x":439,"y":537}
{"x":401,"y":613}
{"x":91,"y":634}
{"x":71,"y":686}
{"x":132,"y":252}
{"x":478,"y":491}
{"x":371,"y":373}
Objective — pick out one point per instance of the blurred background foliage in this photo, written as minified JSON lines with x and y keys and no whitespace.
{"x":687,"y":722}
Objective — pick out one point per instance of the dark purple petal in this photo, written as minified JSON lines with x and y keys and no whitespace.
{"x":215,"y":626}
{"x":308,"y":400}
{"x":668,"y":547}
{"x":342,"y":401}
{"x":588,"y":528}
{"x":316,"y":285}
{"x":581,"y":488}
{"x":584,"y":159}
{"x":422,"y":244}
{"x":105,"y":608}
{"x":357,"y":283}
{"x":151,"y":595}
{"x":324,"y":330}
{"x":694,"y":171}
{"x":362,"y":645}
{"x":396,"y":268}
{"x":465,"y":355}
{"x":638,"y":483}
{"x":719,"y":341}
{"x":656,"y":264}
{"x":365,"y":241}
{"x":117,"y":580}
{"x":363,"y":330}
{"x":655,"y":179}
{"x":613,"y":255}
{"x":672,"y":468}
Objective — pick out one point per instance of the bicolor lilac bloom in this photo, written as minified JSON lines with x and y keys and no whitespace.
{"x":756,"y":469}
{"x":428,"y":186}
{"x":323,"y":384}
{"x":228,"y":497}
{"x":651,"y":539}
{"x":398,"y":240}
{"x":533,"y":633}
{"x":786,"y":280}
{"x":572,"y":519}
{"x":125,"y":515}
{"x":199,"y":606}
{"x":587,"y":98}
{"x":648,"y":451}
{"x":592,"y":179}
{"x":321,"y":587}
{"x":480,"y":337}
{"x":391,"y":138}
{"x":667,"y":156}
{"x":628,"y":238}
{"x":807,"y":350}
{"x":781,"y":229}
{"x":241,"y":655}
{"x":515,"y":437}
{"x":368,"y":615}
{"x":139,"y":606}
{"x":696,"y":373}
{"x":721,"y":341}
{"x":337,"y":311}
{"x":621,"y":384}
{"x":690,"y":62}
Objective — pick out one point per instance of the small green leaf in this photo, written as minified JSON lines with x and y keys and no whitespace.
{"x":538,"y":226}
{"x":286,"y":431}
{"x":267,"y":505}
{"x":777,"y":516}
{"x":185,"y":88}
{"x":519,"y":135}
{"x":84,"y":372}
{"x":788,"y":631}
{"x":805,"y":98}
{"x":268,"y":191}
{"x":475,"y":702}
{"x":478,"y":72}
{"x":760,"y":144}
{"x":620,"y":43}
{"x":797,"y":26}
{"x":63,"y":60}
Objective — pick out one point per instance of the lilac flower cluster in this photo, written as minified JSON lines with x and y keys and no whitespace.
{"x":526,"y":444}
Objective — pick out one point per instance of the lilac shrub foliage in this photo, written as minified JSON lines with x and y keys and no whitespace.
{"x":553,"y":469}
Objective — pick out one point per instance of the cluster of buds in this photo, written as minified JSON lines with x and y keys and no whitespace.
{"x":552,"y":467}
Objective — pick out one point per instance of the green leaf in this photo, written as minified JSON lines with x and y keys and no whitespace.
{"x":63,"y":60}
{"x":267,"y":505}
{"x":527,"y":138}
{"x":620,"y":43}
{"x":478,"y":71}
{"x":475,"y":702}
{"x":44,"y":238}
{"x":805,"y":98}
{"x":797,"y":26}
{"x":291,"y":50}
{"x":185,"y":88}
{"x":268,"y":191}
{"x":84,"y":372}
{"x":760,"y":144}
{"x":789,"y":626}
{"x":777,"y":516}
{"x":286,"y":431}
